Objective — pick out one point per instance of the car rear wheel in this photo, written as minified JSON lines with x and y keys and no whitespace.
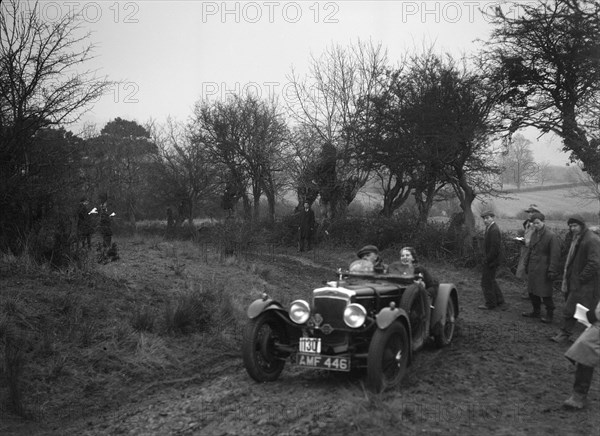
{"x":388,"y":357}
{"x":445,"y":332}
{"x":262,"y":360}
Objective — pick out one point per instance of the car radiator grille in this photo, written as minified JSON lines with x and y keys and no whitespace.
{"x":331,"y":310}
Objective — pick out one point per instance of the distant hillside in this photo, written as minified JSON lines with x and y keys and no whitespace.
{"x":557,"y":201}
{"x":543,"y":188}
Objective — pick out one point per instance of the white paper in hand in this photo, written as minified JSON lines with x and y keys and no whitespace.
{"x":94,"y":210}
{"x":580,"y":315}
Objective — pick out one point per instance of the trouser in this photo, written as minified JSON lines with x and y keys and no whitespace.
{"x":106,"y":240}
{"x":491,"y":291}
{"x":536,"y":302}
{"x":304,"y":242}
{"x":583,"y":378}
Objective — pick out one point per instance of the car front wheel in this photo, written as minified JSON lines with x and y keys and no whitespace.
{"x":262,"y":360}
{"x":388,"y":357}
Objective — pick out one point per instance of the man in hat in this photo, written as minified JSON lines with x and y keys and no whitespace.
{"x":542,"y":267}
{"x":371,"y":254}
{"x":492,"y":247}
{"x":528,"y":230}
{"x":581,"y":281}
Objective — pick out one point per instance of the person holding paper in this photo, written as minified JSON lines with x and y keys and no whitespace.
{"x":543,"y":267}
{"x":585,"y":354}
{"x":528,"y":230}
{"x":581,"y":282}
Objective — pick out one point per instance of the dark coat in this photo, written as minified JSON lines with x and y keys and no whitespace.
{"x":306,"y":223}
{"x":543,"y":262}
{"x":104,"y":226}
{"x":582,"y":271}
{"x":84,"y":224}
{"x":492,"y":246}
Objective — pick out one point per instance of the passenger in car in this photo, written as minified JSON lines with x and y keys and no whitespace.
{"x":409,"y":266}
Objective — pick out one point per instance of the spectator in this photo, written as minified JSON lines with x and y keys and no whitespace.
{"x":84,"y":224}
{"x":580,"y":283}
{"x":306,"y":227}
{"x":528,"y":230}
{"x":409,"y":266}
{"x":542,"y":268}
{"x":585,"y":354}
{"x":105,"y":229}
{"x":492,"y":247}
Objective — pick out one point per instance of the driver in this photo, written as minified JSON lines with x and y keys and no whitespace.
{"x":370,"y":253}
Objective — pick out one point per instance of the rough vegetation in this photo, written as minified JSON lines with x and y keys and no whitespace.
{"x":150,"y":345}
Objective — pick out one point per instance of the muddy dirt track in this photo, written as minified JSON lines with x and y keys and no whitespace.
{"x":501,"y":376}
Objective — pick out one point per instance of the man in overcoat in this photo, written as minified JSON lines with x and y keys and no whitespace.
{"x":528,"y":230}
{"x":493,"y":257}
{"x":581,"y":281}
{"x":585,"y":353}
{"x":306,"y":227}
{"x":543,"y":267}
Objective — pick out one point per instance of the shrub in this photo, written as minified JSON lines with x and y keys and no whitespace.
{"x":143,"y":320}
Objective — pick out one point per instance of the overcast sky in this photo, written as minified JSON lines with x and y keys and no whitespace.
{"x":170,"y":54}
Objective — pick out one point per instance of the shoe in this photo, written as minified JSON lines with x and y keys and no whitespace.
{"x":548,"y":318}
{"x":525,"y":296}
{"x":484,"y":307}
{"x":503,"y":307}
{"x":575,"y":401}
{"x":533,"y":314}
{"x":560,"y":338}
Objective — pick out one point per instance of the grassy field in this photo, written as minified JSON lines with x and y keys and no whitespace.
{"x":555,"y":204}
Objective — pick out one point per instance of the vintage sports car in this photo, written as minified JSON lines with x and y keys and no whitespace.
{"x":362,"y":320}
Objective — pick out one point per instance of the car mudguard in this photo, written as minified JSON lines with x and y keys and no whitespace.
{"x":387,"y":315}
{"x":445,"y":292}
{"x":259,"y":306}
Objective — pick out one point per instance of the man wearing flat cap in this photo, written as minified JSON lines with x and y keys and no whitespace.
{"x":492,"y":247}
{"x":543,"y":267}
{"x":528,"y":230}
{"x":371,"y":253}
{"x":581,"y":281}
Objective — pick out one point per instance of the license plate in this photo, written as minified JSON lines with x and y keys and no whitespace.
{"x":310,"y":345}
{"x":332,"y":363}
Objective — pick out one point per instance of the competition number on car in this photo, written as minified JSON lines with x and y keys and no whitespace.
{"x":310,"y":345}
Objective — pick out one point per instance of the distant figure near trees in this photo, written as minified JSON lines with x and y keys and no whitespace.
{"x":306,"y":227}
{"x":84,"y":224}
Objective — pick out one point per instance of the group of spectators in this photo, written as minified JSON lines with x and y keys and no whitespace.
{"x":86,"y":226}
{"x":544,"y":261}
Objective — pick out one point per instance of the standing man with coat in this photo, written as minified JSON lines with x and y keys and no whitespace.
{"x":543,"y":267}
{"x":581,"y":280}
{"x":306,"y":227}
{"x":492,"y":245}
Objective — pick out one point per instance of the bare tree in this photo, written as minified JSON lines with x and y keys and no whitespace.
{"x":246,"y":136}
{"x":42,"y":84}
{"x":329,"y":101}
{"x":548,"y":60}
{"x":519,"y":166}
{"x":183,"y":172}
{"x":589,"y":189}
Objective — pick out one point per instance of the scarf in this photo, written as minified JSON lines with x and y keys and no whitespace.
{"x":563,"y":286}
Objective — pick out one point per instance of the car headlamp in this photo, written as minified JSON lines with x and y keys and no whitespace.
{"x":299,"y":311}
{"x":355,"y":315}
